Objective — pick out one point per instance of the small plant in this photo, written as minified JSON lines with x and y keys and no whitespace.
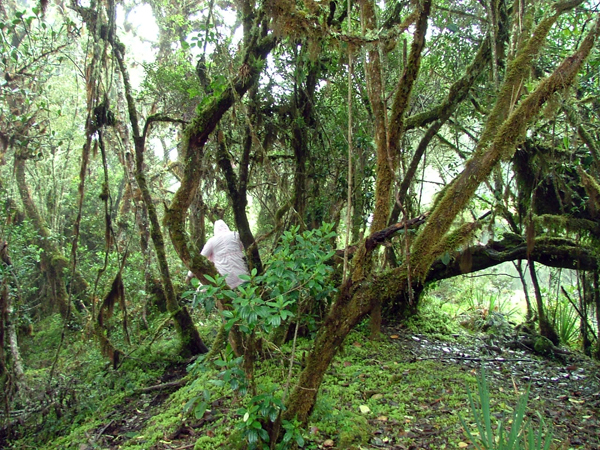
{"x":564,"y":319}
{"x":521,"y":434}
{"x":261,"y":408}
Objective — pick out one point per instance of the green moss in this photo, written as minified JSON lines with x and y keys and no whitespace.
{"x":355,"y":433}
{"x":543,"y":345}
{"x":558,"y":223}
{"x":399,"y":394}
{"x":435,"y":323}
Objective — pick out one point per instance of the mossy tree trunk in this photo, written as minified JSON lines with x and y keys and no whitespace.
{"x":237,"y":185}
{"x":11,"y":364}
{"x":53,"y":261}
{"x":501,"y":136}
{"x":257,"y":47}
{"x":133,"y":196}
{"x":388,"y":131}
{"x":191,"y":342}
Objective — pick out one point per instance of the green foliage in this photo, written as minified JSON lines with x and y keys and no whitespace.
{"x":521,"y":434}
{"x":433,"y":319}
{"x":296,"y":279}
{"x":260,"y":408}
{"x":565,"y":320}
{"x":295,"y":282}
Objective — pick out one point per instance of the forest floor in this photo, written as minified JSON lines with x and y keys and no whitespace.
{"x":410,"y":398}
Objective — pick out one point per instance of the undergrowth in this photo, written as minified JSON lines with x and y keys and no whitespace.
{"x":373,"y":386}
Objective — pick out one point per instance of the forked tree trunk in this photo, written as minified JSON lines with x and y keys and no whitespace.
{"x":387,"y":139}
{"x":354,"y":302}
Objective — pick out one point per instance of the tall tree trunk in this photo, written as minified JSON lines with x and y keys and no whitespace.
{"x":134,"y":196}
{"x":52,"y":261}
{"x":191,"y":342}
{"x":387,"y":139}
{"x":11,"y":364}
{"x":237,"y":185}
{"x":302,"y":120}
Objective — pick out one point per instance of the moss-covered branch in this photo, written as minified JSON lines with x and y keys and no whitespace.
{"x":503,"y":144}
{"x":560,"y":253}
{"x":258,"y":46}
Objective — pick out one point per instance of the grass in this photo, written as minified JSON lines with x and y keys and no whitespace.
{"x":371,"y":385}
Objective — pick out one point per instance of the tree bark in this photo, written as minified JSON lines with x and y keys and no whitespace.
{"x":195,"y":138}
{"x":53,"y":262}
{"x":238,"y":188}
{"x":546,"y":328}
{"x":552,"y":252}
{"x":387,"y":138}
{"x":519,"y":267}
{"x":11,"y":367}
{"x":191,"y":342}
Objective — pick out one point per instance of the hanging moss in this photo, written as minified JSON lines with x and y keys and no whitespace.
{"x":559,"y":223}
{"x":478,"y":168}
{"x":593,"y":190}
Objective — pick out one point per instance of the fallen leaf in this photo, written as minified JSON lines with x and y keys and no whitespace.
{"x":394,"y":336}
{"x":463,"y":444}
{"x":382,"y":418}
{"x":377,"y":396}
{"x":328,"y":443}
{"x":357,"y":344}
{"x":364,"y":409}
{"x":579,"y":402}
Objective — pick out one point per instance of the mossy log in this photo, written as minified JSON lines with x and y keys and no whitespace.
{"x":551,"y":252}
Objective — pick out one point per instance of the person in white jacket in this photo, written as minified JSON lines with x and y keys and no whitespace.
{"x":226,"y":252}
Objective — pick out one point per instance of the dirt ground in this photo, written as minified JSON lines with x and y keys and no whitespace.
{"x":564,"y":388}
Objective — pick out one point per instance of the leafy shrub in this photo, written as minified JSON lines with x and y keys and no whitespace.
{"x":295,"y":285}
{"x":564,"y":319}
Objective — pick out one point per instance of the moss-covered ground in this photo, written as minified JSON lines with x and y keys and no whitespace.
{"x":405,"y":390}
